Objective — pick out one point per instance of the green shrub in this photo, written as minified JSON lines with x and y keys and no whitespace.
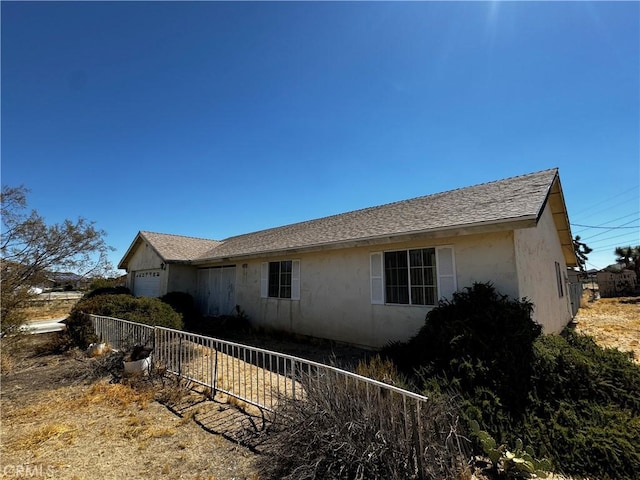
{"x":107,"y":290}
{"x":584,"y":409}
{"x":573,"y":366}
{"x":150,"y":311}
{"x":511,"y":463}
{"x":184,"y":304}
{"x":572,"y":401}
{"x":478,"y":340}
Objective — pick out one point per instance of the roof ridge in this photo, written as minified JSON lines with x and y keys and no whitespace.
{"x":181,"y":236}
{"x":481,"y":184}
{"x":396,"y":202}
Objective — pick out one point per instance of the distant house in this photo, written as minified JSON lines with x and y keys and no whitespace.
{"x":369,"y":276}
{"x":613,"y":283}
{"x":65,"y":281}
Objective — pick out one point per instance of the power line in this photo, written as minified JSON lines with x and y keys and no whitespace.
{"x":589,"y":242}
{"x":613,"y":245}
{"x":610,"y":198}
{"x":594,"y":266}
{"x":593,"y":226}
{"x":600,"y":225}
{"x":624,"y":224}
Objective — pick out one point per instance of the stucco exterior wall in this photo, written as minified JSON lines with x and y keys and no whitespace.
{"x":145,"y":258}
{"x":537,"y":251}
{"x":335,"y":290}
{"x":181,"y":278}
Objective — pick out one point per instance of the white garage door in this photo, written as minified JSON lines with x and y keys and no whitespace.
{"x":146,"y":283}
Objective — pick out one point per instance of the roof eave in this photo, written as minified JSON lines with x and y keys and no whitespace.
{"x":122,"y":265}
{"x":556,"y":202}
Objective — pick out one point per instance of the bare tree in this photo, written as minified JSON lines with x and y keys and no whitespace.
{"x":29,"y":248}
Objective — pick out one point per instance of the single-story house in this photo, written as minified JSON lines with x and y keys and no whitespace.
{"x":369,"y":276}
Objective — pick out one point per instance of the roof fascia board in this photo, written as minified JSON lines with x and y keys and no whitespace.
{"x":561,"y":221}
{"x":125,"y":258}
{"x":555,"y":199}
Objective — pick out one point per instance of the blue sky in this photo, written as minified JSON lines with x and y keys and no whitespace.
{"x":212,"y":119}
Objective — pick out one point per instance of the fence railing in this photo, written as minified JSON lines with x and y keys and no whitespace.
{"x":122,"y":334}
{"x":254,"y":375}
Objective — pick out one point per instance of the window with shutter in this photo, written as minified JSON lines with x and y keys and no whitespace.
{"x":419,"y":276}
{"x":280,"y":279}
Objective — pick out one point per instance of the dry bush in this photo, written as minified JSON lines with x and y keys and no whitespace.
{"x":6,"y":361}
{"x":342,"y":430}
{"x":118,"y":395}
{"x":10,"y":352}
{"x":43,"y":434}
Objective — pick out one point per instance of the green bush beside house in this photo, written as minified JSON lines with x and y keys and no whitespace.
{"x":150,"y":311}
{"x":574,"y":402}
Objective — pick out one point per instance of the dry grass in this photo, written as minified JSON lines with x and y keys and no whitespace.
{"x":613,"y":322}
{"x":45,"y":309}
{"x":69,"y":429}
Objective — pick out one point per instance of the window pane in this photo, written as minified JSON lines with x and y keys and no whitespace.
{"x":403,"y":295}
{"x":417,"y":276}
{"x":396,"y":277}
{"x":415,"y":257}
{"x":430,"y":257}
{"x":285,"y":291}
{"x":422,"y":276}
{"x":417,"y":296}
{"x":285,"y":279}
{"x":285,"y":266}
{"x":430,"y":296}
{"x":274,"y":279}
{"x":429,"y":276}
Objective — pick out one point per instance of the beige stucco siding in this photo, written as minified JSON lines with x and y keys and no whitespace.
{"x":487,"y":258}
{"x":145,"y":258}
{"x":181,"y":278}
{"x":335,"y":290}
{"x":538,"y":249}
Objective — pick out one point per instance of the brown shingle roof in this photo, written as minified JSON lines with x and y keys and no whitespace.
{"x":179,"y":247}
{"x":516,"y":198}
{"x":171,"y":248}
{"x":519,"y":198}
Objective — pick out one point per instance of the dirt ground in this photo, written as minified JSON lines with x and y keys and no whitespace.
{"x":61,"y":421}
{"x":613,"y":322}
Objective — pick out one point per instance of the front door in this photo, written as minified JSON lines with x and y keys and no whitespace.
{"x":216,"y":290}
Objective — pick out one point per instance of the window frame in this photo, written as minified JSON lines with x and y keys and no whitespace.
{"x":401,"y":271}
{"x":560,"y":280}
{"x":443,"y":275}
{"x":283,"y":284}
{"x":280,"y":279}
